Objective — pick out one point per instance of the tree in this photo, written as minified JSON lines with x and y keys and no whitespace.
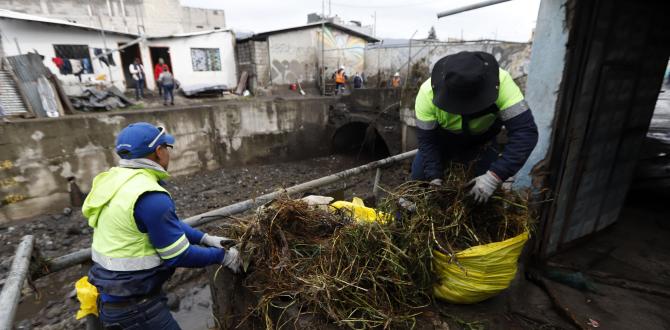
{"x":431,"y":33}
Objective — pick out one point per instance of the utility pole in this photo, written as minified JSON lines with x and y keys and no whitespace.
{"x":374,"y":27}
{"x":104,"y":43}
{"x":323,"y":51}
{"x":409,"y":59}
{"x":330,"y":12}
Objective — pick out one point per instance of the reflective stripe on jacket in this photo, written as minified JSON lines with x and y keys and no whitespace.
{"x":118,"y":245}
{"x":510,"y":103}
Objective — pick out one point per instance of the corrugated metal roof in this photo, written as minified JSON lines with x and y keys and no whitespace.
{"x":189,"y":34}
{"x":311,"y":25}
{"x":4,"y":13}
{"x":10,"y":99}
{"x":29,"y":69}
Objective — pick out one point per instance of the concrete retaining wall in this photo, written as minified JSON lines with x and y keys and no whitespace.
{"x":38,"y":155}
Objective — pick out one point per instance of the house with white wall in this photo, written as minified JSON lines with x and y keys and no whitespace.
{"x":195,"y":58}
{"x":292,"y":55}
{"x":53,"y":38}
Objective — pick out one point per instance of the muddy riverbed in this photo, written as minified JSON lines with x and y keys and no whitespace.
{"x":53,"y":305}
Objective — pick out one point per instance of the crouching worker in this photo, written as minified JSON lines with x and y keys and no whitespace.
{"x":460,"y":110}
{"x":138,"y":240}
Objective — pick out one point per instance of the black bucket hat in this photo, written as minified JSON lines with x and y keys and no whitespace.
{"x":465,"y":83}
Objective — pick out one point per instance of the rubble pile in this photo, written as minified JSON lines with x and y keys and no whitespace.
{"x":93,"y":99}
{"x":311,"y":262}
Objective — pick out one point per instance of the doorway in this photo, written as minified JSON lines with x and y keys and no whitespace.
{"x":159,"y":52}
{"x":128,"y":56}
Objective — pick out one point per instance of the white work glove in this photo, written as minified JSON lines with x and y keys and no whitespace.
{"x":407,"y":205}
{"x":316,"y":200}
{"x":436,"y":182}
{"x":232,"y":260}
{"x":483,"y":186}
{"x":216,"y":241}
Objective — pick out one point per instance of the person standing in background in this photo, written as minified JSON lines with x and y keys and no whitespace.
{"x":340,"y":78}
{"x":358,"y":81}
{"x":166,"y":79}
{"x":158,"y":69}
{"x":137,"y":72}
{"x":395,"y":81}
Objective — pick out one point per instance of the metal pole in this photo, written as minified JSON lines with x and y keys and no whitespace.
{"x":104,"y":44}
{"x":469,"y":7}
{"x":84,"y":255}
{"x":375,"y":186}
{"x":323,"y":52}
{"x":409,"y":59}
{"x":11,"y":291}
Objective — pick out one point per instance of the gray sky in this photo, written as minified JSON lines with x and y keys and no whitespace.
{"x":512,"y":21}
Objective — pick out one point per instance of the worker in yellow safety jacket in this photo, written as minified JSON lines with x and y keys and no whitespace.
{"x":138,"y":239}
{"x":460,"y":110}
{"x":340,"y":78}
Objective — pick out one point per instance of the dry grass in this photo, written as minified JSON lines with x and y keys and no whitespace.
{"x":367,"y":275}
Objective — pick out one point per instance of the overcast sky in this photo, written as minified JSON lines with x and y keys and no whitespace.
{"x":512,"y":21}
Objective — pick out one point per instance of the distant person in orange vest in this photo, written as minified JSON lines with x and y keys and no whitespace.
{"x":395,"y":81}
{"x":340,"y":79}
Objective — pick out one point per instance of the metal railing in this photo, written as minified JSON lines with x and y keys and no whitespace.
{"x":9,"y":298}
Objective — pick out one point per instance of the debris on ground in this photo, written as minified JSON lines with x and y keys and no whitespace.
{"x":204,"y":89}
{"x":94,"y":99}
{"x":306,"y":261}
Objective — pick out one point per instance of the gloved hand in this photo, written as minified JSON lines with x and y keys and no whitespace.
{"x":217,"y":241}
{"x":407,"y":205}
{"x":483,"y":186}
{"x":316,"y":200}
{"x":233,"y":260}
{"x":436,"y":182}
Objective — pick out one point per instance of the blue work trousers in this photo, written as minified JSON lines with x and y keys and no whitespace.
{"x":168,"y":94}
{"x":139,"y":88}
{"x":150,"y":314}
{"x":483,"y":156}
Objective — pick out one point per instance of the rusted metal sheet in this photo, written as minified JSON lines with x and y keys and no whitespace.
{"x":28,"y":70}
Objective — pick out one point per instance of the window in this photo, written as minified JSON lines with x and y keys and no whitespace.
{"x":206,"y":59}
{"x":77,"y":56}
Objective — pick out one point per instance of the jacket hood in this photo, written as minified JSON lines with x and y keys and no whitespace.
{"x":105,"y":186}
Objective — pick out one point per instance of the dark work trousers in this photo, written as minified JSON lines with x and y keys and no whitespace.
{"x":139,"y":88}
{"x":150,"y":314}
{"x":339,"y":88}
{"x":168,"y":94}
{"x":483,"y":155}
{"x":160,"y":87}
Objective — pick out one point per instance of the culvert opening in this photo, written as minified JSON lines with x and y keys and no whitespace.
{"x":360,"y":140}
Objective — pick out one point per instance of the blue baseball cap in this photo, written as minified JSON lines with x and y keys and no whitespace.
{"x":140,"y":139}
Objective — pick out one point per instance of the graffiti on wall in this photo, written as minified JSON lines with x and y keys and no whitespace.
{"x":342,"y":49}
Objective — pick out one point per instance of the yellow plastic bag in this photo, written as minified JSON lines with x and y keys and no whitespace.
{"x":87,"y":294}
{"x":359,"y":211}
{"x":485,"y":270}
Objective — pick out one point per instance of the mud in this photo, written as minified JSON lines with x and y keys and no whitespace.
{"x":54,"y":305}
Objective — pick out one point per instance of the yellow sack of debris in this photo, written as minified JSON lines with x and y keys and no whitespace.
{"x":479,"y":273}
{"x":87,"y":294}
{"x":359,"y":211}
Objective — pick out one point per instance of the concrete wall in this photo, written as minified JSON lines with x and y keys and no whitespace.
{"x":381,"y":62}
{"x":182,"y":66}
{"x":40,"y":37}
{"x":155,"y":17}
{"x":547,"y":63}
{"x":342,"y":49}
{"x":293,"y":57}
{"x":296,"y":55}
{"x":38,"y":155}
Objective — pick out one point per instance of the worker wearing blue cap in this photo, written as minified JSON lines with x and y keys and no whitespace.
{"x":138,"y":240}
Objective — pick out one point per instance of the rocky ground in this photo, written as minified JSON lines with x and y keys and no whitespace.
{"x":54,"y":305}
